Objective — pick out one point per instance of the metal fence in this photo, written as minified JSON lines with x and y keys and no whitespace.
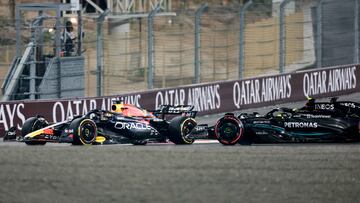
{"x":224,"y":43}
{"x":218,"y":43}
{"x":42,"y":36}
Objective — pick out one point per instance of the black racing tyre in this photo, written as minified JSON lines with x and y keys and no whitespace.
{"x":179,"y":127}
{"x":84,"y":131}
{"x":229,"y":130}
{"x":32,"y":124}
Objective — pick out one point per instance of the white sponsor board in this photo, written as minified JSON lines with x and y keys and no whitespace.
{"x":261,"y":90}
{"x":203,"y":98}
{"x":321,"y":82}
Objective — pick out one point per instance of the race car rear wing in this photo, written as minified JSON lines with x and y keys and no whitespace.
{"x":185,"y":110}
{"x":10,"y":135}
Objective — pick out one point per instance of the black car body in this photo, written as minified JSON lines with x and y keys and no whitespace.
{"x":124,"y":124}
{"x":333,"y":107}
{"x":285,"y":126}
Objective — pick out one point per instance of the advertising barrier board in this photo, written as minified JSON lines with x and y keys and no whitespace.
{"x":209,"y":98}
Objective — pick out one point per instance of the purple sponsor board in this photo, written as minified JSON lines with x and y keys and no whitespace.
{"x":207,"y":98}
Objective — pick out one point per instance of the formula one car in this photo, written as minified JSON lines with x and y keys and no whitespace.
{"x":284,"y":126}
{"x":124,"y":124}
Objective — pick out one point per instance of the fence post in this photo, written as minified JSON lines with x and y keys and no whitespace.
{"x":18,"y":31}
{"x":32,"y":65}
{"x":150,"y":73}
{"x":198,"y":14}
{"x":100,"y":51}
{"x":79,"y":34}
{"x":319,"y":34}
{"x":282,"y":33}
{"x":37,"y":39}
{"x":356,"y":34}
{"x":58,"y":27}
{"x":241,"y":38}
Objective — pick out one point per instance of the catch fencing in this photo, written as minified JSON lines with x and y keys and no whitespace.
{"x":213,"y":43}
{"x":224,"y":43}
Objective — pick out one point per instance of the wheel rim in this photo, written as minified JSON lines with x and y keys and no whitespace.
{"x":228,"y":131}
{"x":38,"y":125}
{"x":87,"y":132}
{"x":188,"y":126}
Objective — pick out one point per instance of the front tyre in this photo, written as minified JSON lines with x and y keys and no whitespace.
{"x":179,"y":127}
{"x":229,"y":130}
{"x":32,"y":124}
{"x":84,"y":131}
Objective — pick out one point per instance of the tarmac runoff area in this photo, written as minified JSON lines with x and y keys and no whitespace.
{"x":203,"y":172}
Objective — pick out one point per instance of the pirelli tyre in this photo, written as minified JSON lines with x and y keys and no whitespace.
{"x":84,"y":131}
{"x":32,"y":124}
{"x":179,"y":127}
{"x":229,"y":129}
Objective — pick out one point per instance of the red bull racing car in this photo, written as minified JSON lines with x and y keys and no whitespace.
{"x":125,"y":123}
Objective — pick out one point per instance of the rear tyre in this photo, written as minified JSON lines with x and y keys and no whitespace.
{"x":179,"y":127}
{"x":32,"y":124}
{"x":229,"y":130}
{"x":85,"y":131}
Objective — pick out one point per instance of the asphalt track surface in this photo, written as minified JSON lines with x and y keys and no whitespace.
{"x":202,"y":172}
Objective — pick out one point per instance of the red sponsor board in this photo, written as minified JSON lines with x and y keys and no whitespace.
{"x":225,"y":96}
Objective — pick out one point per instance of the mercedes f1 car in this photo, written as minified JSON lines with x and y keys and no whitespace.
{"x":125,"y":123}
{"x":316,"y":122}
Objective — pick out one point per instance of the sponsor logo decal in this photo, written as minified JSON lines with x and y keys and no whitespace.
{"x":348,"y":104}
{"x":261,"y":133}
{"x":200,"y":128}
{"x":300,"y":124}
{"x":11,"y":133}
{"x":51,"y":137}
{"x":132,"y":126}
{"x":325,"y":106}
{"x":69,"y":131}
{"x":316,"y":116}
{"x":262,"y":122}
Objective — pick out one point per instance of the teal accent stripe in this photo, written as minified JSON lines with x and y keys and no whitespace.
{"x":308,"y":134}
{"x":280,"y":129}
{"x":268,"y":126}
